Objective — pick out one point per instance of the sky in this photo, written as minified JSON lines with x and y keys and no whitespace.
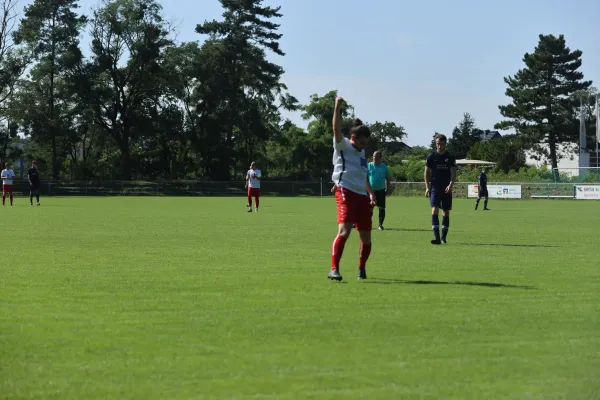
{"x":421,"y":64}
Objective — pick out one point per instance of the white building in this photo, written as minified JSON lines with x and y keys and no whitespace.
{"x":568,"y":162}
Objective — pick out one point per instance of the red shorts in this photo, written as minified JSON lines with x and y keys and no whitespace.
{"x":354,"y":208}
{"x":7,"y":188}
{"x":254,"y":192}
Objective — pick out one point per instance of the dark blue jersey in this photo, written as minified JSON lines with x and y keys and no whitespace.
{"x":483,"y":181}
{"x":34,"y":176}
{"x":441,"y":166}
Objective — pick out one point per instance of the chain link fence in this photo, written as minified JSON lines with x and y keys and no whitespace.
{"x":268,"y":188}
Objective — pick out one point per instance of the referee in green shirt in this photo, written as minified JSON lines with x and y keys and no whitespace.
{"x":379,"y":178}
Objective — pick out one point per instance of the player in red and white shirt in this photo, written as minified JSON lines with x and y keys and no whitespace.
{"x":253,"y":185}
{"x":7,"y":183}
{"x":353,"y":193}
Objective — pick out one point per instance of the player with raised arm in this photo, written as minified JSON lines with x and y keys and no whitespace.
{"x":353,"y":193}
{"x":7,"y":183}
{"x":379,"y":178}
{"x":482,"y":190}
{"x":253,"y":177}
{"x":34,"y":183}
{"x":440,"y":175}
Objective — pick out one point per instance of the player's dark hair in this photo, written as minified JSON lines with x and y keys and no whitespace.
{"x":359,"y":129}
{"x":441,"y":137}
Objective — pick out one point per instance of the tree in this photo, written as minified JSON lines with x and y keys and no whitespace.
{"x":507,"y":152}
{"x":129,"y":39}
{"x":543,"y":106}
{"x":50,"y":31}
{"x":8,"y":133}
{"x":464,"y":136}
{"x":12,"y":61}
{"x":386,"y":136}
{"x":238,"y":81}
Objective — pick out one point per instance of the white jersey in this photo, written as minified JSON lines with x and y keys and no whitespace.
{"x":253,"y":182}
{"x":350,"y":167}
{"x":9,"y":174}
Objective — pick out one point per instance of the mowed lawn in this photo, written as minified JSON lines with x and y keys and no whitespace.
{"x":193,"y":298}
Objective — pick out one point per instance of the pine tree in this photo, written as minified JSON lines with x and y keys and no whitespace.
{"x":543,"y":107}
{"x":50,"y":31}
{"x":238,"y":80}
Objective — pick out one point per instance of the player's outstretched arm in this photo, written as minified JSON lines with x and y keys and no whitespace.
{"x":337,"y":119}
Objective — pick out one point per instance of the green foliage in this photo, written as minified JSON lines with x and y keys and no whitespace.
{"x":464,"y":136}
{"x":507,"y":152}
{"x":142,"y":106}
{"x":50,"y":33}
{"x":524,"y":174}
{"x":543,"y":107}
{"x":386,"y":137}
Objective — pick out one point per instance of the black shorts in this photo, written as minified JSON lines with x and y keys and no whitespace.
{"x":441,"y":199}
{"x":34,"y":188}
{"x":483,"y":193}
{"x":380,"y":197}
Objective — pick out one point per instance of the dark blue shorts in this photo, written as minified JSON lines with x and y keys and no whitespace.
{"x":441,"y":199}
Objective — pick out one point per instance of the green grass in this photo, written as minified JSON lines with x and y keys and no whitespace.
{"x":193,"y":298}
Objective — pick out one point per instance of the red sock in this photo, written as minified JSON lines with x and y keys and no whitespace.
{"x":11,"y":198}
{"x":336,"y":252}
{"x":257,"y":201}
{"x":249,"y":201}
{"x":3,"y":199}
{"x":365,"y":252}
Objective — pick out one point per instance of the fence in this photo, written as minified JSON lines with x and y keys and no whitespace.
{"x":269,"y":188}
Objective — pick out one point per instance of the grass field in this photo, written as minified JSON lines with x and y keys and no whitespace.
{"x":193,"y":298}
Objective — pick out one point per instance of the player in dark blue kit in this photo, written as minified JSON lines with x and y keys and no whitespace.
{"x":34,"y":183}
{"x":482,"y":190}
{"x":440,"y":175}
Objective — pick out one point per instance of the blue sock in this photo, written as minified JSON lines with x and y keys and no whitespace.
{"x":445,"y":226}
{"x":435,"y":225}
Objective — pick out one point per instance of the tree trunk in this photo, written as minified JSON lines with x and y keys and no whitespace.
{"x":553,"y":157}
{"x":55,"y":166}
{"x":53,"y":130}
{"x":125,"y":163}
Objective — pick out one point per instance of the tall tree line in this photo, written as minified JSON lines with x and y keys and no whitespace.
{"x":143,"y":106}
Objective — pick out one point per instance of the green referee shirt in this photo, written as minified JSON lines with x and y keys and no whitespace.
{"x":378,"y":175}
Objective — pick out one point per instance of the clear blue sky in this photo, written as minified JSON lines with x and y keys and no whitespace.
{"x":421,"y":64}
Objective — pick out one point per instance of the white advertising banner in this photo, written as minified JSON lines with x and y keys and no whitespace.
{"x":498,"y":191}
{"x":587,"y":192}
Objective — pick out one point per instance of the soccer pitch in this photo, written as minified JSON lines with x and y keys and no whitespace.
{"x":193,"y":298}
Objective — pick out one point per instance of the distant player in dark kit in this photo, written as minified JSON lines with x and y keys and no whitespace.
{"x":34,"y":183}
{"x":482,"y":190}
{"x":440,"y":175}
{"x":379,"y":178}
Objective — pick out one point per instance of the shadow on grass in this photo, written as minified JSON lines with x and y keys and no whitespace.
{"x":507,"y":245}
{"x":382,"y":281}
{"x":407,"y":230}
